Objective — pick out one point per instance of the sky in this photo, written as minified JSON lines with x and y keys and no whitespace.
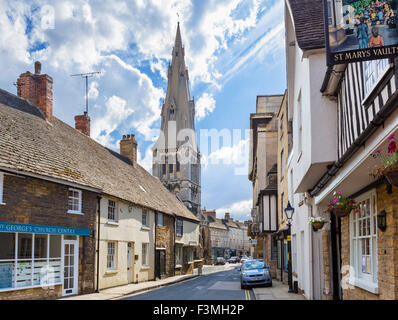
{"x":234,"y":51}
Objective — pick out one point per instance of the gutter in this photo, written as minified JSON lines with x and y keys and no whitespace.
{"x":379,"y":119}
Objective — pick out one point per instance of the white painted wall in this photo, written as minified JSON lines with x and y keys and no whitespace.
{"x":128,"y":228}
{"x":190,"y":235}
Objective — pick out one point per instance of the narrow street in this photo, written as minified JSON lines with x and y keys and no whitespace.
{"x":224,"y":285}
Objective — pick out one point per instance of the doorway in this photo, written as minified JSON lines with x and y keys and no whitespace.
{"x":130,"y":262}
{"x":70,"y":254}
{"x":160,"y":264}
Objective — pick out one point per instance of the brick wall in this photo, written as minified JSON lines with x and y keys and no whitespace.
{"x":165,"y":239}
{"x":33,"y":294}
{"x":387,"y":251}
{"x":35,"y":201}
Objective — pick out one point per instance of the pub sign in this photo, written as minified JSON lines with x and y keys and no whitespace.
{"x":359,"y":30}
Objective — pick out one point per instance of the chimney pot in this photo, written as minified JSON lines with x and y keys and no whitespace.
{"x":37,"y":67}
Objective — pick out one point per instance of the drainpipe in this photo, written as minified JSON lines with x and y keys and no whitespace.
{"x":98,"y":239}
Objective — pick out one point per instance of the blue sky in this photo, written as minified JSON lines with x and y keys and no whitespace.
{"x":234,"y":51}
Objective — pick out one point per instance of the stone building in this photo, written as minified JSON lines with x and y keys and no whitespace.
{"x":262,"y":171}
{"x":76,"y":216}
{"x":176,"y":157}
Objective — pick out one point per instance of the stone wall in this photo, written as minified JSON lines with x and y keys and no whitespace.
{"x":165,"y":239}
{"x":327,"y":266}
{"x":33,"y":294}
{"x":35,"y":201}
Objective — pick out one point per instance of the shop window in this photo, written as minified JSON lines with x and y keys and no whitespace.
{"x":29,"y":260}
{"x":179,"y":227}
{"x":75,"y":201}
{"x":145,"y":247}
{"x":363,"y":243}
{"x":144,"y":218}
{"x":1,"y":187}
{"x":111,"y":256}
{"x":112,"y":211}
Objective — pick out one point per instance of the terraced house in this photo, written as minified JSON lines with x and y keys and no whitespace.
{"x":75,"y":216}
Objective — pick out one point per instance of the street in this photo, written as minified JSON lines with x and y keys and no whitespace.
{"x":224,"y":285}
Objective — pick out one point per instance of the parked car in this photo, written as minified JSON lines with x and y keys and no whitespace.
{"x":233,"y":260}
{"x":255,"y":273}
{"x":219,"y":261}
{"x":243,"y":259}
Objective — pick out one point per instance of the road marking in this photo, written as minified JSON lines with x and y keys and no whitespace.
{"x":247,"y":294}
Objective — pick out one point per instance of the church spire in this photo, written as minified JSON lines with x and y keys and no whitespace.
{"x":178,"y":41}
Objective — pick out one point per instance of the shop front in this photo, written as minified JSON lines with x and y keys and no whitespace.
{"x":39,"y":257}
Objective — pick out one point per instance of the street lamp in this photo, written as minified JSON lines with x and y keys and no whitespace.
{"x":289,"y":210}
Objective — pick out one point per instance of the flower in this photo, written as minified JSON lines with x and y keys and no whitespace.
{"x":392,"y":147}
{"x":390,"y":138}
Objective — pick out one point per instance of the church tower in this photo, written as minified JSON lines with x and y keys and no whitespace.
{"x":176,"y":157}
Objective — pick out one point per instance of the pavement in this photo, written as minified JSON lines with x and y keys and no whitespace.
{"x":135,"y":288}
{"x":278,"y":291}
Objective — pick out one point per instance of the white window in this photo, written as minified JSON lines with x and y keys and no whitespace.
{"x":75,"y":201}
{"x":373,"y":71}
{"x":179,"y":227}
{"x":363,"y":243}
{"x":111,"y":256}
{"x":160,"y":219}
{"x":22,"y":253}
{"x":112,"y":211}
{"x":178,"y":255}
{"x":144,"y":218}
{"x":1,"y":187}
{"x":145,"y":247}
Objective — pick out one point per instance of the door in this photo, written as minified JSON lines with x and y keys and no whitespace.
{"x":70,"y":253}
{"x":160,"y":264}
{"x":130,"y":262}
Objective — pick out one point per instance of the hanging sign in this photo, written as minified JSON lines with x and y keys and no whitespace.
{"x":359,"y":30}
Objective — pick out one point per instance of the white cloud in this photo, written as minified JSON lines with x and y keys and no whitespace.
{"x":204,"y":106}
{"x":240,"y":210}
{"x":146,"y":161}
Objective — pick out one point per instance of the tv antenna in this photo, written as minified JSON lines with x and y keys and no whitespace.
{"x":86,"y":75}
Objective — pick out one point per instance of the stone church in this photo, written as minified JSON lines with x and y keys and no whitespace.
{"x":176,"y":157}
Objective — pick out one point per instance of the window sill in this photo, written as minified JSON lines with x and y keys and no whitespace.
{"x":178,"y":266}
{"x":2,"y":203}
{"x":111,"y":272}
{"x":144,"y":267}
{"x":112,"y":223}
{"x":145,"y":228}
{"x":76,"y":212}
{"x":363,"y":284}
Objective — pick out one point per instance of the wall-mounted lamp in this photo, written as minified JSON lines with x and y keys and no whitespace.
{"x":382,"y":220}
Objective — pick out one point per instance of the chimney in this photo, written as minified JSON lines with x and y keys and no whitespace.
{"x":82,"y":123}
{"x":128,"y":148}
{"x":227,"y":216}
{"x":38,"y":89}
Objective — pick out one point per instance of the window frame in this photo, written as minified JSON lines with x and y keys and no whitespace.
{"x":115,"y":219}
{"x":378,"y":72}
{"x":80,"y":199}
{"x":144,"y":214}
{"x":113,"y":257}
{"x":145,"y":262}
{"x":358,"y":278}
{"x":179,"y":227}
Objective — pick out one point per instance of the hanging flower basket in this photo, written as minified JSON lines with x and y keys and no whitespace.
{"x":341,"y":212}
{"x":317,"y":223}
{"x":392,"y":177}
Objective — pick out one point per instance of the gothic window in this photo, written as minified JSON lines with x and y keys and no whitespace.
{"x":171,"y":113}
